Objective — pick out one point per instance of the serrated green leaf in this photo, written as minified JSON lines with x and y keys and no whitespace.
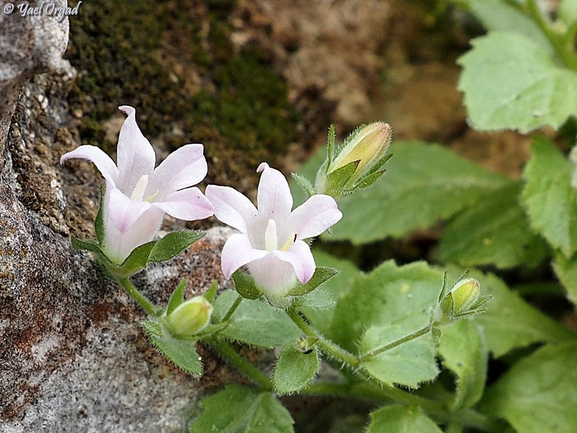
{"x":427,"y":177}
{"x":182,"y":352}
{"x":401,"y":419}
{"x":539,"y":393}
{"x":317,"y":299}
{"x":464,"y":352}
{"x":409,"y":364}
{"x":494,"y":230}
{"x":550,"y":200}
{"x":511,"y":323}
{"x":176,"y":298}
{"x":255,"y":322}
{"x":294,"y":369}
{"x":566,"y":271}
{"x":498,"y":15}
{"x":173,"y":244}
{"x":241,"y":409}
{"x":512,"y":82}
{"x":387,"y":295}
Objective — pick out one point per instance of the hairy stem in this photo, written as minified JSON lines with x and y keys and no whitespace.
{"x":396,"y":343}
{"x":146,"y":304}
{"x":245,"y":367}
{"x":232,"y":309}
{"x":329,"y":347}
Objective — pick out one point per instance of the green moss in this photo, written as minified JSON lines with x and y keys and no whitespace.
{"x":133,"y":52}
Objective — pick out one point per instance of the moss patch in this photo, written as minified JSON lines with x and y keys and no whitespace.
{"x":174,"y":62}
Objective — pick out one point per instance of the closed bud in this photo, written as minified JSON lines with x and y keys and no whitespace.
{"x":367,"y":146}
{"x":357,"y":164}
{"x":465,"y":294}
{"x":190,"y":317}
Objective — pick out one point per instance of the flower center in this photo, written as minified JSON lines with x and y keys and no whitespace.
{"x":271,"y":238}
{"x":140,"y":188}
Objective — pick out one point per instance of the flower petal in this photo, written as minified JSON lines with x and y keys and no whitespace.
{"x":135,"y":153}
{"x":127,"y":224}
{"x":101,"y":160}
{"x":238,"y":252}
{"x":314,"y":216}
{"x":231,"y":207}
{"x":274,"y":197}
{"x":187,"y":204}
{"x":120,"y":211}
{"x":301,"y":259}
{"x":274,"y":277}
{"x":184,"y":167}
{"x":118,"y":245}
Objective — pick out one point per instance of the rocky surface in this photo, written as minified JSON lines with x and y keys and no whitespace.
{"x":73,"y":356}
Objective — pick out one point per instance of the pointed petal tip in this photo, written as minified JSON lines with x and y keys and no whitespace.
{"x":262,"y":166}
{"x":127,"y":109}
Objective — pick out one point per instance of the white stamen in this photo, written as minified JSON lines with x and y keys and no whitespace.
{"x":270,"y":238}
{"x":139,"y":189}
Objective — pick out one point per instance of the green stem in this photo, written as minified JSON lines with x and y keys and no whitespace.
{"x":325,"y":344}
{"x":396,"y":343}
{"x":142,"y":300}
{"x":386,"y":395}
{"x":233,"y":358}
{"x":381,"y":393}
{"x":562,"y":46}
{"x":232,"y":308}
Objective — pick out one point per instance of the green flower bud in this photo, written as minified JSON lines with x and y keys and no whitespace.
{"x":357,"y":164}
{"x":465,"y":294}
{"x":190,"y":317}
{"x":367,"y":146}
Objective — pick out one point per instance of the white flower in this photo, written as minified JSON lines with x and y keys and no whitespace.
{"x":137,"y":195}
{"x":270,"y":241}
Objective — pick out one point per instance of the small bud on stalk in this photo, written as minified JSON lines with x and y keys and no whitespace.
{"x":190,"y":317}
{"x":465,"y":293}
{"x":358,"y":163}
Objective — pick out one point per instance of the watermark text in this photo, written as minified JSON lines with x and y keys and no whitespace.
{"x":45,"y":8}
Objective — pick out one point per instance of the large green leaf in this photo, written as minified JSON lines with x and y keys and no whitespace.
{"x":408,"y":364}
{"x":496,"y":231}
{"x":401,"y":419}
{"x":550,"y":200}
{"x":512,"y":82}
{"x":255,"y":322}
{"x":389,"y":295}
{"x":423,"y":184}
{"x":539,"y":393}
{"x":464,"y":352}
{"x":500,"y":15}
{"x":243,"y":410}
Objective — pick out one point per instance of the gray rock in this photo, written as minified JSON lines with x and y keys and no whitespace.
{"x":73,"y":356}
